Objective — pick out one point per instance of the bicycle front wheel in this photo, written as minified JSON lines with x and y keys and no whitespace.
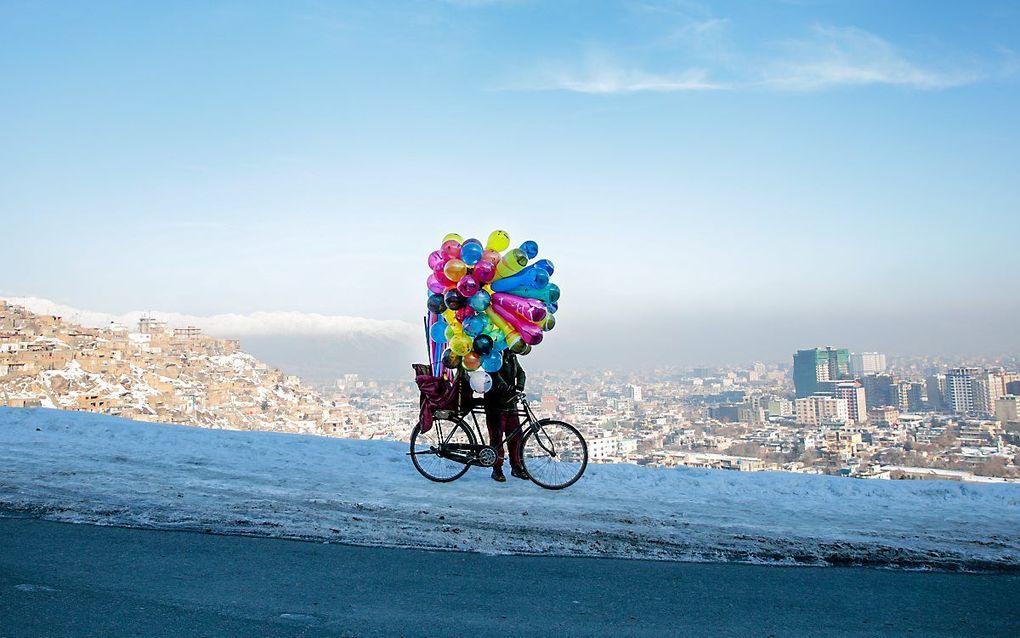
{"x":429,"y":449}
{"x":554,"y":454}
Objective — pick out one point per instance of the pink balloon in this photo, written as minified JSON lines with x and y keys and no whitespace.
{"x":434,"y":285}
{"x":530,"y":333}
{"x":436,"y":259}
{"x":467,"y":286}
{"x":484,"y":272}
{"x":451,"y":248}
{"x":443,"y":280}
{"x":530,"y":309}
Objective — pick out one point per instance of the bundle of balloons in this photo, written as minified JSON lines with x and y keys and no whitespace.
{"x":484,"y":300}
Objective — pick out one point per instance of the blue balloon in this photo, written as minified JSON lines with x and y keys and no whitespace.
{"x":438,"y":331}
{"x":552,"y":307}
{"x":549,"y":294}
{"x":471,"y":252}
{"x":545,"y":265}
{"x":480,"y":301}
{"x":530,"y":277}
{"x":475,"y":325}
{"x":492,"y":362}
{"x":499,"y":345}
{"x":530,"y":249}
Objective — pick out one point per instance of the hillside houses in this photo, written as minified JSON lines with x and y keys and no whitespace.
{"x":153,"y":373}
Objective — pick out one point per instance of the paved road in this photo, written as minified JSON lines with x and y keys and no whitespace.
{"x":80,"y":580}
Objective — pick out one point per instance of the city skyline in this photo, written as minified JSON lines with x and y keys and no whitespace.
{"x":713,"y":181}
{"x":917,"y":419}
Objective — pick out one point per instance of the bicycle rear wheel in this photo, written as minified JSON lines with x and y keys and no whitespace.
{"x":554,"y":454}
{"x":427,"y":449}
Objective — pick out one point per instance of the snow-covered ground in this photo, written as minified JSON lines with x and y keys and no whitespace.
{"x":82,"y":467}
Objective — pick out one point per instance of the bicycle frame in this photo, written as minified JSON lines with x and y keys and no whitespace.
{"x":526,"y":416}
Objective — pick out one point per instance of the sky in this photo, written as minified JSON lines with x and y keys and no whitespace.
{"x":715,"y":182}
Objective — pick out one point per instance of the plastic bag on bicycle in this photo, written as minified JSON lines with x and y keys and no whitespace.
{"x":439,"y":393}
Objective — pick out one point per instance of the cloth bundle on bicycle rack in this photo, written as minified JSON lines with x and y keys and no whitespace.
{"x":439,"y":393}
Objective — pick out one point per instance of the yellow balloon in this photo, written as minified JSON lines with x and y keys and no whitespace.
{"x":512,"y":263}
{"x":499,"y":322}
{"x":451,"y":318}
{"x":498,"y":240}
{"x":451,"y":332}
{"x":461,"y":344}
{"x":454,"y":236}
{"x":513,"y":342}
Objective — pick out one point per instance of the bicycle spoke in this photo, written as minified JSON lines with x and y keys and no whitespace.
{"x":427,"y":450}
{"x":555,"y":455}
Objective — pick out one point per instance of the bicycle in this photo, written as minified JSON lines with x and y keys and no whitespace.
{"x":553,"y":452}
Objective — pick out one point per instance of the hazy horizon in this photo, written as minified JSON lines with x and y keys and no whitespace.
{"x":323,"y":348}
{"x":715,"y":182}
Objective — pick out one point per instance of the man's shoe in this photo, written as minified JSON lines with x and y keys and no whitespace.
{"x":520,"y":473}
{"x":497,"y":475}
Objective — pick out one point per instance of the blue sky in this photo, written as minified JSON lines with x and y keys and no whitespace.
{"x":847,"y":170}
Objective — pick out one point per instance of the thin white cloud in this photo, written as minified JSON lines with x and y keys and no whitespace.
{"x":256,"y":324}
{"x":833,"y":57}
{"x":603,"y":75}
{"x":828,"y":57}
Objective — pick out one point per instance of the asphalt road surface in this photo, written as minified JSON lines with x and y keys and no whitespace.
{"x":60,"y":579}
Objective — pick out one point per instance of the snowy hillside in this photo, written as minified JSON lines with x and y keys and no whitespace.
{"x":87,"y":468}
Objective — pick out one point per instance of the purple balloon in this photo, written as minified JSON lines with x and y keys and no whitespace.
{"x":467,"y":286}
{"x":484,"y":272}
{"x":434,"y":284}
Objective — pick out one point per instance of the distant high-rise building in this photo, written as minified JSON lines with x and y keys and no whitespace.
{"x":960,"y":389}
{"x":918,"y":396}
{"x":936,"y":388}
{"x":817,"y":364}
{"x":862,"y":363}
{"x":634,"y":392}
{"x":878,"y":389}
{"x":1007,"y":408}
{"x":821,"y":409}
{"x":1013,"y":387}
{"x":899,"y":395}
{"x":988,"y":387}
{"x":856,"y":400}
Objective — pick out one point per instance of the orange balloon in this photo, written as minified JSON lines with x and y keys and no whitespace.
{"x":472,"y":361}
{"x":455,"y":270}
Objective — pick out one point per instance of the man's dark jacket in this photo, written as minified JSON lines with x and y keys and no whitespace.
{"x":506,"y":383}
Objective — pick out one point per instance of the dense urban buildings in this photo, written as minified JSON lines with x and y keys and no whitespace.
{"x":922,"y":417}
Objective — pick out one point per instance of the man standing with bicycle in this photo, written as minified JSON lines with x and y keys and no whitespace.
{"x":501,"y":416}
